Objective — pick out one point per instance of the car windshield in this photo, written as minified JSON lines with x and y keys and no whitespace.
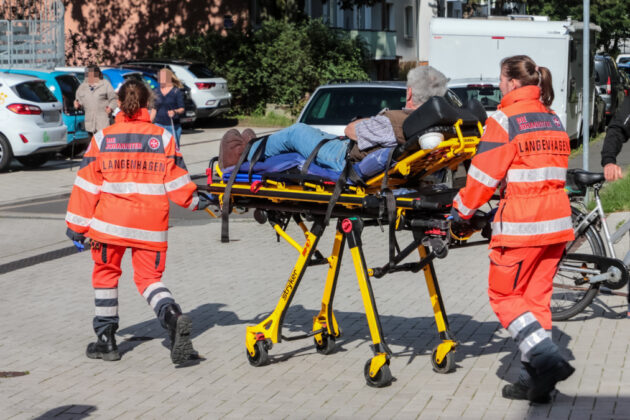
{"x":133,"y":76}
{"x":68,"y":85}
{"x":35,"y":91}
{"x":601,"y":75}
{"x":338,"y":106}
{"x":623,"y":60}
{"x":488,"y":95}
{"x":200,"y":71}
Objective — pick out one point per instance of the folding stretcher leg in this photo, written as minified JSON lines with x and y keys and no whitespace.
{"x":376,"y":371}
{"x":325,"y":320}
{"x":259,"y":338}
{"x":442,"y":357}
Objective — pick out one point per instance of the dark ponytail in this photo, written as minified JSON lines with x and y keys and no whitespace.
{"x":525,"y":70}
{"x":133,"y":95}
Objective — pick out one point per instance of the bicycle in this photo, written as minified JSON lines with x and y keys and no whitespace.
{"x":590,"y":264}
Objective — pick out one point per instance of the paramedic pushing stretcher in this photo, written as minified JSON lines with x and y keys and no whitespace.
{"x":120,"y":200}
{"x":525,"y":149}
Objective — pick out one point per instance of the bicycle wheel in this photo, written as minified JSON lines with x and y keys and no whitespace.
{"x":571,"y":291}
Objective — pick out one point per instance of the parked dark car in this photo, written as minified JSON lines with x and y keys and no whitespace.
{"x":609,"y":83}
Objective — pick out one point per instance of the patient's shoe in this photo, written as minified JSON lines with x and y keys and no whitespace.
{"x":230,"y":149}
{"x":248,"y":134}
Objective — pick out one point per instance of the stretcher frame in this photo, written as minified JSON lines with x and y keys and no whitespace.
{"x":278,"y":202}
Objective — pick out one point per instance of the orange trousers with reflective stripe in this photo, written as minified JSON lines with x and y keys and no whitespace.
{"x":148,"y":266}
{"x":521,"y":280}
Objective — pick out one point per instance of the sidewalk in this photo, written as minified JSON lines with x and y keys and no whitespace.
{"x":48,"y":307}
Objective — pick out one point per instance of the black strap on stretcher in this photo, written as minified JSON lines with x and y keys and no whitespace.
{"x":348,"y":172}
{"x":225,"y":209}
{"x":312,"y":156}
{"x":390,"y":209}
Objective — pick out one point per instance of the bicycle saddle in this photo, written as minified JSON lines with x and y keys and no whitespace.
{"x":586,"y":178}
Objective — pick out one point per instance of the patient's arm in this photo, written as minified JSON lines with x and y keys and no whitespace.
{"x":350,"y":130}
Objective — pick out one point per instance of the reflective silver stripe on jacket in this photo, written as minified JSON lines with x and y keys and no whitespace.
{"x":521,"y":322}
{"x":482,"y":177}
{"x":106,"y":310}
{"x":133,"y":188}
{"x":106,"y":293}
{"x":502,"y":120}
{"x":462,"y":208}
{"x":129,"y":233}
{"x":177,"y":183}
{"x":532,"y":228}
{"x":75,"y":219}
{"x":98,"y":138}
{"x":537,"y":175}
{"x":166,"y":138}
{"x":194,"y":202}
{"x":532,"y":340}
{"x":87,"y":185}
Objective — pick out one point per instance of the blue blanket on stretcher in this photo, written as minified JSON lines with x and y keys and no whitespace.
{"x":369,"y":166}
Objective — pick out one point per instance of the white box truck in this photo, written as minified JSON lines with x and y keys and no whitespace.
{"x":474,"y":48}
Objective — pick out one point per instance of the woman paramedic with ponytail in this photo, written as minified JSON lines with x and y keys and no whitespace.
{"x":525,"y":151}
{"x":120,"y":200}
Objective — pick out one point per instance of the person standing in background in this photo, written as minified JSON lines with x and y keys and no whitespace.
{"x":97,"y":98}
{"x":168,"y":103}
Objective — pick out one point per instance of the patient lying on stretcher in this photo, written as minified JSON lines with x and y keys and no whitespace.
{"x":367,"y":140}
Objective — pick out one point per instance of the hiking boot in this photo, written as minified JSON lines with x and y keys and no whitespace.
{"x":179,"y":329}
{"x":518,"y":391}
{"x":545,"y":382}
{"x":105,"y":347}
{"x":230,"y":149}
{"x":248,"y":134}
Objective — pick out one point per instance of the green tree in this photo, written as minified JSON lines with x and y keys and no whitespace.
{"x":277,"y":63}
{"x":613,"y":16}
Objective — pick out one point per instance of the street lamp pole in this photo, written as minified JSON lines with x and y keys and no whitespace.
{"x":586,"y":85}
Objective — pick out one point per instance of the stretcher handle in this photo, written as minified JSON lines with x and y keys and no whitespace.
{"x":460,"y":136}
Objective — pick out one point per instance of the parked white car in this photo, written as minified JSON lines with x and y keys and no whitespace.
{"x":484,"y":90}
{"x":31,"y":127}
{"x":209,"y":92}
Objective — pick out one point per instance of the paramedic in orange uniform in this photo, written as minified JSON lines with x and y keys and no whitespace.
{"x":524,"y":151}
{"x":120,"y":200}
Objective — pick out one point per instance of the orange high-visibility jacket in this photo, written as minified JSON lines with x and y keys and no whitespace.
{"x":128,"y":174}
{"x":526,"y":149}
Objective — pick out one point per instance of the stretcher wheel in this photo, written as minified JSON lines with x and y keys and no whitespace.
{"x":328,"y":344}
{"x":261,"y":354}
{"x":447,"y":365}
{"x":382,"y":378}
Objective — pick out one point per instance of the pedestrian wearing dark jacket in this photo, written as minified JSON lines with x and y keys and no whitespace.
{"x":617,"y":133}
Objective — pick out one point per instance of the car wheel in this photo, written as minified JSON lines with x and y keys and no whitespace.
{"x":34,"y":161}
{"x":6,"y":154}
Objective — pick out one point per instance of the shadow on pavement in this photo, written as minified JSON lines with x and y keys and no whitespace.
{"x":417,"y":336}
{"x":203,"y":318}
{"x":68,"y":412}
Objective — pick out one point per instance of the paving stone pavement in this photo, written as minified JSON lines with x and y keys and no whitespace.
{"x":47,"y":311}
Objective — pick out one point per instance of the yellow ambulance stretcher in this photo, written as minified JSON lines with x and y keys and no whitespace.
{"x":278,"y":198}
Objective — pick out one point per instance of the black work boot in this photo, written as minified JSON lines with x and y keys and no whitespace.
{"x":520,"y":389}
{"x":544,"y":381}
{"x":179,"y":329}
{"x":105,"y":347}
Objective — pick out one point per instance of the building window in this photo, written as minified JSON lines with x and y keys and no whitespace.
{"x":408,"y":22}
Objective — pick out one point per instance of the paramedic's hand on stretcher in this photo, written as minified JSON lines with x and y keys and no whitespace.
{"x":77,"y":239}
{"x":204,"y":201}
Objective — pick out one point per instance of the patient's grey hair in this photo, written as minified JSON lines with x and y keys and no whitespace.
{"x":425,"y":82}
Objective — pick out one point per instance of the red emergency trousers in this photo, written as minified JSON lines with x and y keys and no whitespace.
{"x":526,"y":149}
{"x":148,"y":266}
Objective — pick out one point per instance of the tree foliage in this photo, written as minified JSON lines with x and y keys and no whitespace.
{"x":613,"y":16}
{"x":277,"y":63}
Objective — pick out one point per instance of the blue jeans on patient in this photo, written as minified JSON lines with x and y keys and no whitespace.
{"x":301,"y":138}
